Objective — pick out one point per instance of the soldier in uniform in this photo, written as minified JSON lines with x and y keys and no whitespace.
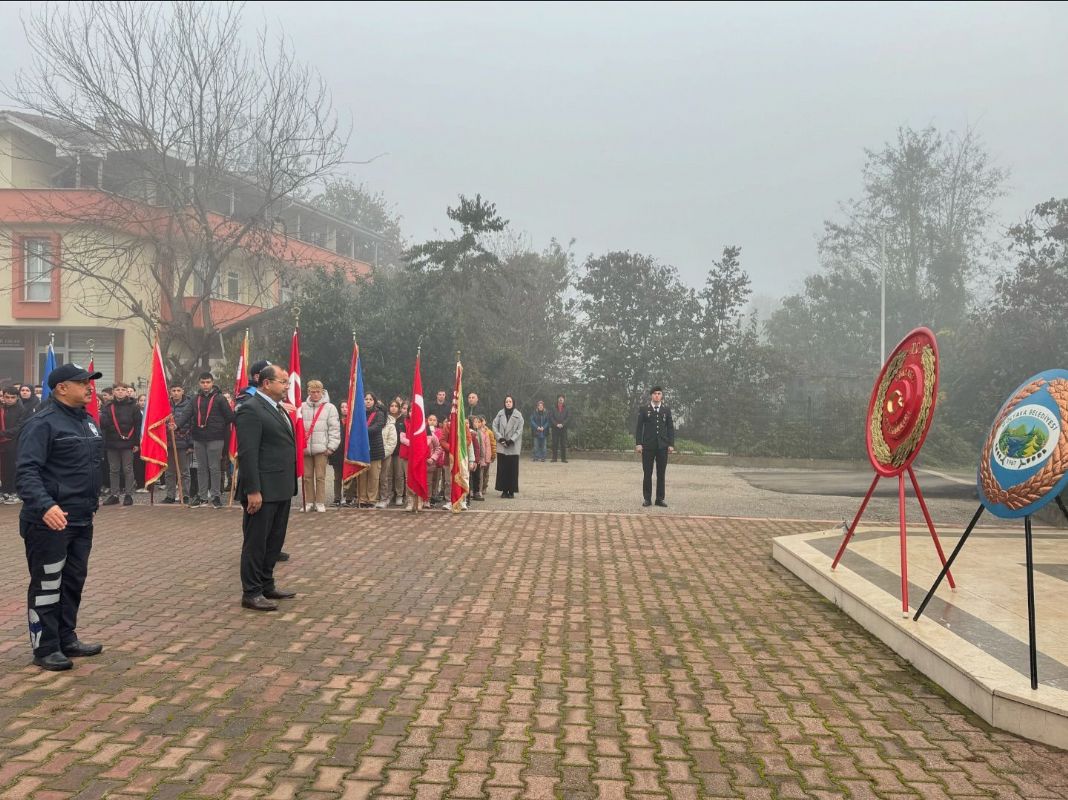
{"x":654,"y":438}
{"x":57,"y":473}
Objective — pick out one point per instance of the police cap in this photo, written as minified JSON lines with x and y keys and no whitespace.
{"x":71,"y":372}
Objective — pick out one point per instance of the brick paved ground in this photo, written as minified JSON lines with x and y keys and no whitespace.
{"x":491,"y":655}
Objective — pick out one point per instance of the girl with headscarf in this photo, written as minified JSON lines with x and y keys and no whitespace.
{"x":508,"y":428}
{"x":29,"y":400}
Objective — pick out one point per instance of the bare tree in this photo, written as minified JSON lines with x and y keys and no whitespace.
{"x":196,"y":142}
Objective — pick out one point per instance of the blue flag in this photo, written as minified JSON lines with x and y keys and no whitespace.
{"x":357,"y":444}
{"x":50,"y":364}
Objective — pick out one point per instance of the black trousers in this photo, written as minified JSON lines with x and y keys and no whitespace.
{"x":7,"y":468}
{"x":507,"y":473}
{"x":559,"y":443}
{"x":649,"y":457}
{"x":265,"y":533}
{"x":58,"y":562}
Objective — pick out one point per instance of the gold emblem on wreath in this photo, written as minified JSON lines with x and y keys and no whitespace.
{"x":1045,"y":479}
{"x":884,"y":405}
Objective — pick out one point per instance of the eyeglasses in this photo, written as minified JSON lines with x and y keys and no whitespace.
{"x":278,"y":380}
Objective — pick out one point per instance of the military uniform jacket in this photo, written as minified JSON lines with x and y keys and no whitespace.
{"x":656,"y":428}
{"x":266,"y":451}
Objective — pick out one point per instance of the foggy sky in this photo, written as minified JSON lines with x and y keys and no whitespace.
{"x":673,"y":130}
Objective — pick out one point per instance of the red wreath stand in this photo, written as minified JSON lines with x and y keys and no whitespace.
{"x":899,"y":413}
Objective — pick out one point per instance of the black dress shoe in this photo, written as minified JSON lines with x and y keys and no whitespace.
{"x":283,"y":556}
{"x":661,"y":503}
{"x":112,"y":501}
{"x":646,"y":503}
{"x":56,"y":662}
{"x":78,"y":649}
{"x":279,"y":594}
{"x":258,"y":603}
{"x":168,"y":501}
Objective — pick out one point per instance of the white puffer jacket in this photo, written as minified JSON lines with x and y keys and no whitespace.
{"x":389,"y":435}
{"x":327,"y":432}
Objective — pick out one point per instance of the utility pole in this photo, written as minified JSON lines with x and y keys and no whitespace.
{"x":882,"y":303}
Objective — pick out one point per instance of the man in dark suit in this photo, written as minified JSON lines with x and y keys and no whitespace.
{"x":654,"y":438}
{"x":267,"y":481}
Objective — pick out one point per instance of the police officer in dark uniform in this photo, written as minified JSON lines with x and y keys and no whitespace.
{"x":654,"y":438}
{"x":57,"y":474}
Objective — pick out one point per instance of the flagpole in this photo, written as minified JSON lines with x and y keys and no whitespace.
{"x":154,"y":447}
{"x":179,"y":489}
{"x":350,"y":398}
{"x":417,"y":501}
{"x":92,"y":343}
{"x":233,"y":483}
{"x":303,"y":482}
{"x":454,"y":440}
{"x":243,"y":365}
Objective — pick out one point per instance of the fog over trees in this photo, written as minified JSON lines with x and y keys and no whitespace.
{"x":197,"y":94}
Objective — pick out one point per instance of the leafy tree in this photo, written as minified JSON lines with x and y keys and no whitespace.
{"x":330,"y":305}
{"x":929,"y":198}
{"x":528,"y":352}
{"x":730,"y":383}
{"x":511,"y":325}
{"x":1020,"y":333}
{"x":467,"y":258}
{"x":635,"y":320}
{"x":352,"y":201}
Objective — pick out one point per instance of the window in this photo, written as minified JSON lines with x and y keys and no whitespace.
{"x":74,"y":346}
{"x":200,"y":269}
{"x":233,"y":287}
{"x":285,"y":291}
{"x":38,"y":273}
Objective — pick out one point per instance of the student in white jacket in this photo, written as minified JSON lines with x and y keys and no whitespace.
{"x":389,"y":444}
{"x":322,"y":436}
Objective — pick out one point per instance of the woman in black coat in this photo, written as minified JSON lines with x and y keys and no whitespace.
{"x":368,"y":479}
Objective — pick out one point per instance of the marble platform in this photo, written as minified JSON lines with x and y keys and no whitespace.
{"x":972,"y":641}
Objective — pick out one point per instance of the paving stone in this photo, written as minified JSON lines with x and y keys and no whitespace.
{"x":483,"y":655}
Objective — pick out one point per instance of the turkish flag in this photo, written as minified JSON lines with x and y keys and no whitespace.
{"x":93,"y":406}
{"x":240,"y":384}
{"x":295,"y":399}
{"x":154,"y":423}
{"x":418,"y":447}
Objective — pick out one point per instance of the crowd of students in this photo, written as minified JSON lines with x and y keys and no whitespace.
{"x":200,"y":471}
{"x":383,"y":483}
